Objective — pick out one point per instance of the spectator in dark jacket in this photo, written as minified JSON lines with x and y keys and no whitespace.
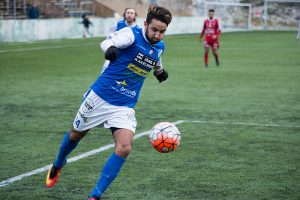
{"x":33,"y":12}
{"x":86,"y":24}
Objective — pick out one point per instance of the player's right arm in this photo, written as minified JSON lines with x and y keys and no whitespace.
{"x":117,"y":40}
{"x":203,"y":31}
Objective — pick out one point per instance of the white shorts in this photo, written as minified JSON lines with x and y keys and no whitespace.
{"x":95,"y":112}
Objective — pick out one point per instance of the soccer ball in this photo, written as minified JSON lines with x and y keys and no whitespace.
{"x":165,"y":137}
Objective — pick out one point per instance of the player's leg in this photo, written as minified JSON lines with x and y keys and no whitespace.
{"x":90,"y":32}
{"x":79,"y":129}
{"x":207,"y":45}
{"x":123,"y":143}
{"x":215,"y":47}
{"x":81,"y":125}
{"x":122,"y":122}
{"x":216,"y":56}
{"x":68,"y":144}
{"x":206,"y":51}
{"x":85,"y":32}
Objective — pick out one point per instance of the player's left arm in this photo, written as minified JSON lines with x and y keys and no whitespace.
{"x":218,"y":29}
{"x":159,"y":72}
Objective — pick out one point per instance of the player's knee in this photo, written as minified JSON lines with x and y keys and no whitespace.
{"x":123,"y":150}
{"x":76,"y":135}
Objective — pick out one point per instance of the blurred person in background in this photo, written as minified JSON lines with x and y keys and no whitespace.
{"x":86,"y":25}
{"x":33,"y":11}
{"x":212,"y":31}
{"x":298,"y":35}
{"x":129,"y":20}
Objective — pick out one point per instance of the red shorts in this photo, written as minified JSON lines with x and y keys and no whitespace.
{"x":209,"y":42}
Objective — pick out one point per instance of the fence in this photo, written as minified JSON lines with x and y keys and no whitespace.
{"x":46,"y":29}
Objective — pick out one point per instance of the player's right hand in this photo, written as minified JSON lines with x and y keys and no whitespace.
{"x":111,"y":53}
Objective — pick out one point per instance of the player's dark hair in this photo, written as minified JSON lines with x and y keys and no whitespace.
{"x":128,"y":9}
{"x":211,"y":10}
{"x":160,"y":13}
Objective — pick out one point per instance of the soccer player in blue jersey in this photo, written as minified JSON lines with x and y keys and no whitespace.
{"x":129,"y":20}
{"x":133,"y":53}
{"x":129,"y":16}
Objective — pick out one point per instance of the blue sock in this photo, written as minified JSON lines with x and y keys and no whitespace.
{"x":66,"y":147}
{"x":109,"y":173}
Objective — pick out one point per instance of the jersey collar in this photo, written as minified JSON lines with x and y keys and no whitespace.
{"x":133,"y":25}
{"x":144,"y":35}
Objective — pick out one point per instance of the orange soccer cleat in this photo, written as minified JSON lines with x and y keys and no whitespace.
{"x":52,"y":176}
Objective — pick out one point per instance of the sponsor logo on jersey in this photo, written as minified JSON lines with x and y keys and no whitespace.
{"x":127,"y":92}
{"x":122,"y":90}
{"x":145,"y":61}
{"x":134,"y":77}
{"x":137,"y":70}
{"x":122,"y":83}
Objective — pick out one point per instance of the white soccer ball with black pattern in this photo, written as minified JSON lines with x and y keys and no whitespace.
{"x":165,"y":137}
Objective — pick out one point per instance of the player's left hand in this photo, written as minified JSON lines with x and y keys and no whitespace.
{"x":111,"y":53}
{"x":162,"y":76}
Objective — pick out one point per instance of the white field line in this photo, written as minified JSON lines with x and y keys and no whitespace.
{"x":46,"y":48}
{"x":103,"y":148}
{"x":241,"y":123}
{"x":73,"y":159}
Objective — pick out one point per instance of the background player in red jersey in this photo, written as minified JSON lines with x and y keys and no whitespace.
{"x":212,"y":31}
